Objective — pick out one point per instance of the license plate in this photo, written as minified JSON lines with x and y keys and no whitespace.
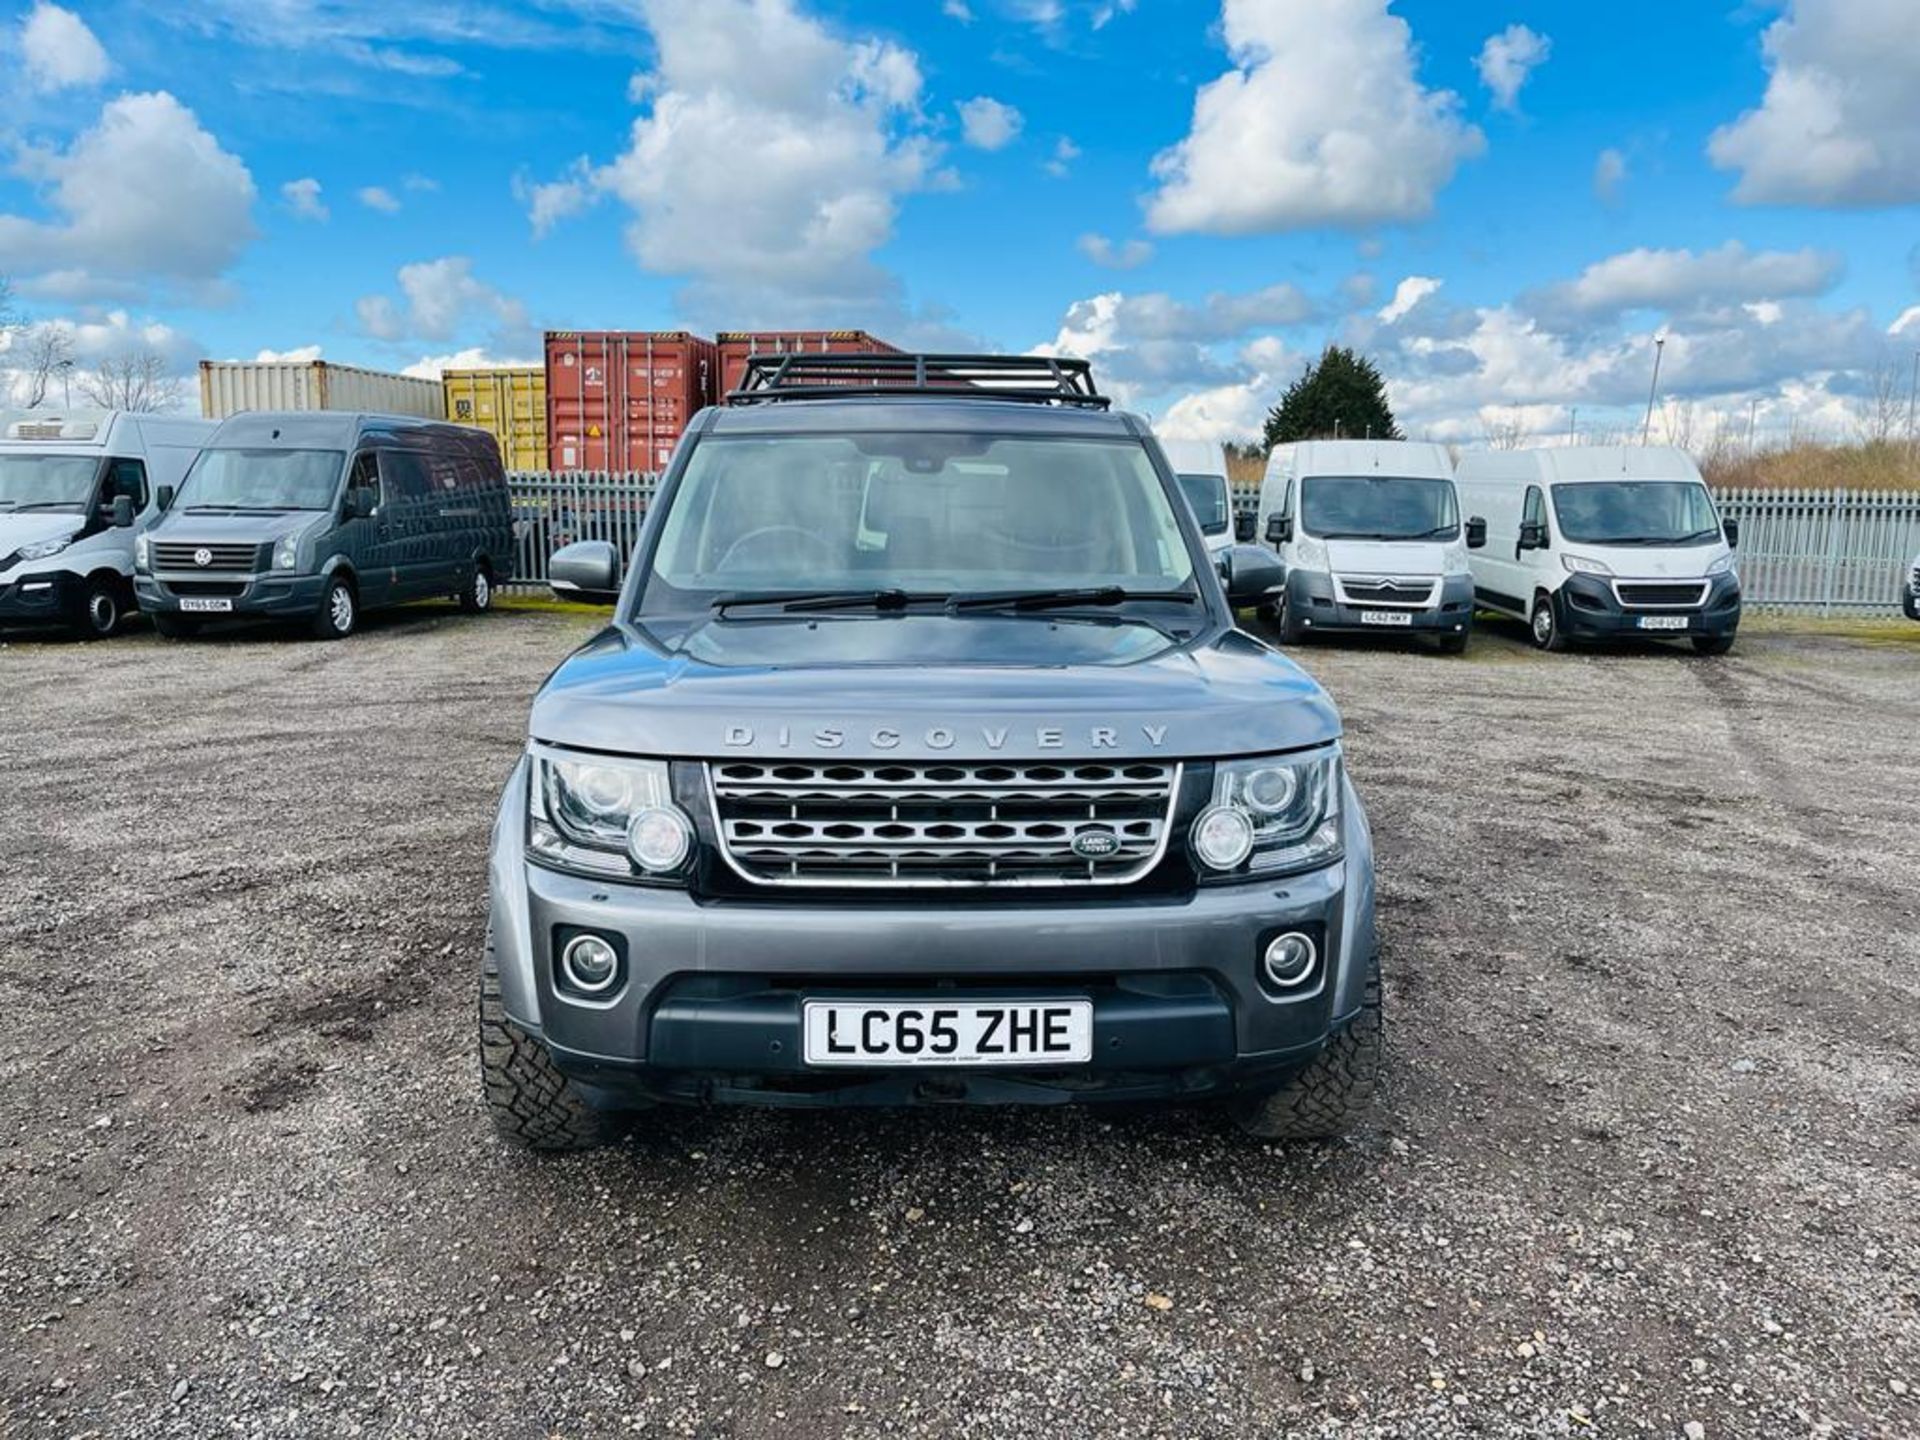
{"x":199,"y":605}
{"x":1386,"y":617}
{"x":1663,"y":622}
{"x":1042,"y":1032}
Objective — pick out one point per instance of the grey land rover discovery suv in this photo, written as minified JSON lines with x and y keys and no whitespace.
{"x":921,"y":762}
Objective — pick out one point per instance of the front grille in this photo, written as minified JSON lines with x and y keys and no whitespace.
{"x":1685,"y":595}
{"x":978,"y":824}
{"x":229,"y":588}
{"x":1376,"y":590}
{"x":173,"y":555}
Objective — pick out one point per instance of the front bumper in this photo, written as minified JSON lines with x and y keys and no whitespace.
{"x":1910,"y":602}
{"x":272,"y":595}
{"x":709,"y":1007}
{"x":49,"y":597}
{"x":1312,"y":597}
{"x":1590,"y":610}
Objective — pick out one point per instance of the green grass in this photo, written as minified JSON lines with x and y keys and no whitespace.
{"x":534,"y":600}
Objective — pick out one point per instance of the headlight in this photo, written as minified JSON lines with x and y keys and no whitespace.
{"x":1309,"y":553}
{"x":1580,"y":565}
{"x":1720,"y":566}
{"x":1271,"y":816}
{"x":142,"y":553}
{"x":286,"y":554}
{"x":604,"y":815}
{"x":41,"y":549}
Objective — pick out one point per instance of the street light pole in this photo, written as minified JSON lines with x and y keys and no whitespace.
{"x":1659,"y":348}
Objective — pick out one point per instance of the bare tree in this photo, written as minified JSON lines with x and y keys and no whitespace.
{"x":136,"y":379}
{"x":1881,"y":413}
{"x":46,"y":355}
{"x":1504,"y":432}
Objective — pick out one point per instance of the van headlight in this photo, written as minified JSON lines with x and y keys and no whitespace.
{"x":605,"y":816}
{"x":142,"y":553}
{"x":1581,"y":565}
{"x":1720,"y":567}
{"x":41,"y":549}
{"x":286,"y":554}
{"x":1270,"y":816}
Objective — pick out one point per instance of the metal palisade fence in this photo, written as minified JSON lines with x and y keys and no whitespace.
{"x":1822,"y":552}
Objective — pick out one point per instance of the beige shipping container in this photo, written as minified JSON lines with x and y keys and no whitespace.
{"x":228,"y":387}
{"x":509,"y":403}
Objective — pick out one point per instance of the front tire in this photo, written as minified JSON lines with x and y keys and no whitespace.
{"x":1547,"y":631}
{"x":477,"y":598}
{"x":339,"y":611}
{"x":1292,"y":632}
{"x":533,"y":1106}
{"x":1328,"y":1097}
{"x":101,"y":611}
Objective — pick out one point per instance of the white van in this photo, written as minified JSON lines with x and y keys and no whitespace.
{"x":1910,"y":592}
{"x":1603,"y":541}
{"x":1371,"y":536}
{"x":1201,"y":468}
{"x":76,"y":488}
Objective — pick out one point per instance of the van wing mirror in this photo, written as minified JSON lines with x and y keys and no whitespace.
{"x":1533,"y":535}
{"x":122,"y":511}
{"x":1243,"y":524}
{"x":1252,"y":574}
{"x":164,"y":497}
{"x":1732,"y":531}
{"x":587,"y":571}
{"x":1279,"y":529}
{"x":1476,"y":533}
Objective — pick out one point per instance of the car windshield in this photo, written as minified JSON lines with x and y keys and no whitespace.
{"x":1207,"y":494}
{"x":1378,"y":507}
{"x":924,"y":514}
{"x":46,"y":482}
{"x":1637,"y":512}
{"x":241,"y":479}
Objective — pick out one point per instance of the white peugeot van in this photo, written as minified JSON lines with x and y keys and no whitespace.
{"x":1910,"y":592}
{"x":1371,"y":536}
{"x":1605,"y":541}
{"x":1201,"y":468}
{"x":76,"y":488}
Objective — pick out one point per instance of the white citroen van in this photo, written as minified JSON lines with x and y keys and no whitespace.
{"x":1604,"y":541}
{"x":1371,"y":536}
{"x":1201,"y":468}
{"x":76,"y":488}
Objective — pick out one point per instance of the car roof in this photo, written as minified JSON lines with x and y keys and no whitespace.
{"x":330,"y":429}
{"x":934,"y":414}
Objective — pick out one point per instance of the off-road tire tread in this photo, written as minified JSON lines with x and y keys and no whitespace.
{"x":1327,"y":1098}
{"x":534,"y":1106}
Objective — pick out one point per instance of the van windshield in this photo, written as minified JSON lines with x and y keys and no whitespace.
{"x":931,"y":514}
{"x":1378,"y":507}
{"x":240,"y":479}
{"x":46,"y":482}
{"x":1637,"y":512}
{"x":1207,"y":494}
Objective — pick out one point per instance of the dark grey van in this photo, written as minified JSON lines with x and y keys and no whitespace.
{"x":319,"y":516}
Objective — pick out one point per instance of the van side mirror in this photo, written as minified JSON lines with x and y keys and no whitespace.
{"x":1732,"y":530}
{"x":1476,"y":533}
{"x":1243,"y":524}
{"x":1252,"y":573}
{"x":361,"y":503}
{"x":164,"y":497}
{"x":587,"y":571}
{"x":1533,"y":535}
{"x":122,"y":511}
{"x":1279,"y":529}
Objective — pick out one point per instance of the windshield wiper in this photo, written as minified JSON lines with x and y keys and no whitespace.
{"x":48,"y":505}
{"x":1711,"y":533}
{"x":794,"y":602}
{"x":1061,"y":599}
{"x":1362,"y":535}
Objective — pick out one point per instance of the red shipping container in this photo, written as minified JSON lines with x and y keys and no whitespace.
{"x":619,"y":399}
{"x":736,"y":345}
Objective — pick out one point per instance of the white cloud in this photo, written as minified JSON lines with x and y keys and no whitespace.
{"x":1060,"y":163}
{"x":1909,"y":322}
{"x":1609,"y":174}
{"x":1104,"y":13}
{"x":143,"y":196}
{"x":986,"y":124}
{"x":303,"y":199}
{"x":1106,"y":321}
{"x":439,"y":299}
{"x":1507,"y":59}
{"x":474,"y":357}
{"x":109,"y":335}
{"x":1670,"y":280}
{"x":378,"y":197}
{"x":1838,"y":124}
{"x":60,"y":51}
{"x":957,"y":10}
{"x":1322,"y":121}
{"x":551,"y":201}
{"x":1406,"y":295}
{"x":1104,"y":253}
{"x":299,"y":355}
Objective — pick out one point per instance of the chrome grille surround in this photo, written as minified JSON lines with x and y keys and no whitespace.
{"x":1661,"y":594}
{"x":179,"y":556}
{"x":1407,"y":592}
{"x":907,"y":825}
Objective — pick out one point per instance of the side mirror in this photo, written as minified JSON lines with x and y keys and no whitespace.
{"x":1279,"y":529}
{"x":587,"y":571}
{"x":1732,"y":530}
{"x":122,"y":511}
{"x":361,"y":503}
{"x":1476,"y":533}
{"x":1243,"y":527}
{"x":1533,"y":535}
{"x":164,"y":497}
{"x":1252,"y":574}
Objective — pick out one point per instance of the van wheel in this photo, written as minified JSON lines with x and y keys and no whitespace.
{"x":100,"y":612}
{"x":534,"y":1106}
{"x":477,"y":598}
{"x":1292,"y":632}
{"x":1713,"y":644}
{"x":176,"y":627}
{"x":1333,"y":1092}
{"x":339,"y":611}
{"x":1547,"y":632}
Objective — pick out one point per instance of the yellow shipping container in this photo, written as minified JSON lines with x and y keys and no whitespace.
{"x":510,"y":404}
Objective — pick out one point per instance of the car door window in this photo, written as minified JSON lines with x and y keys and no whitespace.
{"x":1533,"y":511}
{"x":366,"y":476}
{"x":128,"y":478}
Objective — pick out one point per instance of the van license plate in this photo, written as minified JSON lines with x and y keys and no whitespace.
{"x":1042,"y":1032}
{"x":200,"y":605}
{"x":1386,"y":617}
{"x":1663,"y":622}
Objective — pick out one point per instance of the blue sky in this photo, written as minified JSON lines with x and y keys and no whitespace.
{"x":1504,"y":203}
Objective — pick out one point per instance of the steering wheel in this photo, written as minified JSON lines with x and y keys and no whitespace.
{"x":822,"y":552}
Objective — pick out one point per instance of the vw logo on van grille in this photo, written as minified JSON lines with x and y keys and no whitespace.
{"x":203,"y":557}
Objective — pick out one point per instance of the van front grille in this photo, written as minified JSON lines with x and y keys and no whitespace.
{"x":928,"y":825}
{"x":1684,"y":595}
{"x":185,"y":555}
{"x":1382,"y":590}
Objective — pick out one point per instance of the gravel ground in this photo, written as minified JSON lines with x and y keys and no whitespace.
{"x":1647,"y":1160}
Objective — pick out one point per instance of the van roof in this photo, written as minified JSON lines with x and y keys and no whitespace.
{"x":329,"y":429}
{"x":933,"y":413}
{"x":1412,"y":458}
{"x":1576,"y":464}
{"x":1196,"y":457}
{"x":89,"y":427}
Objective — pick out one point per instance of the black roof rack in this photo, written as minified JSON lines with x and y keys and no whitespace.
{"x":1035,"y":379}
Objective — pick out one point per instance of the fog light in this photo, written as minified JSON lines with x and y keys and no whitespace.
{"x":1289,"y":959}
{"x":590,"y":964}
{"x":659,"y":839}
{"x":1223,"y":837}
